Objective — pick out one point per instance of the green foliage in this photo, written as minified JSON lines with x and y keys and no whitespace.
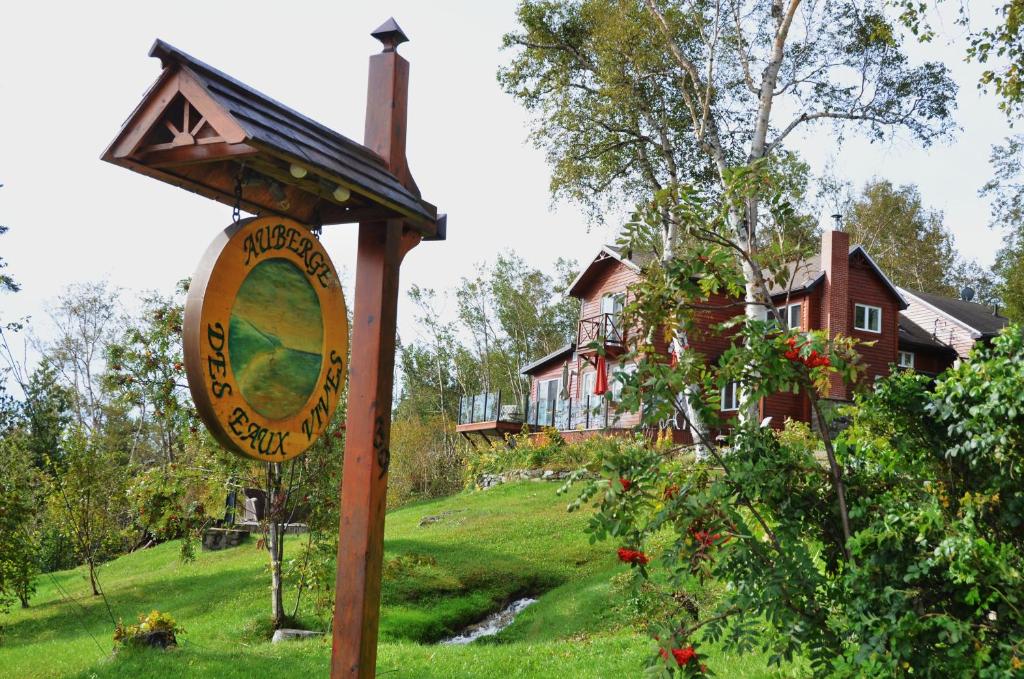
{"x":47,"y":413}
{"x":546,"y":449}
{"x":999,"y":45}
{"x":19,"y":509}
{"x":931,"y":575}
{"x":146,"y":372}
{"x":512,"y":314}
{"x":177,"y":501}
{"x":906,"y":239}
{"x":1006,"y":190}
{"x":88,"y":500}
{"x":425,"y":463}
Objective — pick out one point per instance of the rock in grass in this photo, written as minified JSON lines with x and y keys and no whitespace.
{"x":292,"y":634}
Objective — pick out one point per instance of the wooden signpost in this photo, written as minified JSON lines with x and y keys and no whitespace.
{"x":200,"y":129}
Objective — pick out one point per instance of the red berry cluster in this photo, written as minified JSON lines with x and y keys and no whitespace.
{"x":626,"y":483}
{"x":671,"y":492}
{"x":682,"y":656}
{"x":633,"y":556}
{"x":812,"y":360}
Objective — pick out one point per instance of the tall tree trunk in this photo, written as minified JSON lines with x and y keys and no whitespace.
{"x":275,"y":541}
{"x":92,"y":576}
{"x":696,"y":426}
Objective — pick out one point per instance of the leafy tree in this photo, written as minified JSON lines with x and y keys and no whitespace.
{"x":646,"y":97}
{"x":47,"y":413}
{"x":84,"y":318}
{"x":89,"y":500}
{"x":19,"y":508}
{"x":145,"y":370}
{"x":1000,"y":46}
{"x":1006,"y":190}
{"x":512,"y":314}
{"x":906,"y":239}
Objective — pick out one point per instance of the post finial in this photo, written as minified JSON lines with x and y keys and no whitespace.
{"x":390,"y":34}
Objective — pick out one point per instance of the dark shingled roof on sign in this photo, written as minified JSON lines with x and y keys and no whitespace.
{"x":978,"y":316}
{"x":274,"y":125}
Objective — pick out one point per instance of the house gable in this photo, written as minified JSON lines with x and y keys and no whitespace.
{"x":607,"y":258}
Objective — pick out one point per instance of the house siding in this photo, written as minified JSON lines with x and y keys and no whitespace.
{"x":867,"y":288}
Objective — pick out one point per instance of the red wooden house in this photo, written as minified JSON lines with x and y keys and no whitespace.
{"x":841,"y":290}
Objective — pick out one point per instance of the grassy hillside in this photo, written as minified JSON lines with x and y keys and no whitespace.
{"x":484,"y":549}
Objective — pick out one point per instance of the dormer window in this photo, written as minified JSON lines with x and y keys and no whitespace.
{"x":867,"y":318}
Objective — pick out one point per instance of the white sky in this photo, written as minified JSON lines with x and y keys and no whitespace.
{"x":70,"y":73}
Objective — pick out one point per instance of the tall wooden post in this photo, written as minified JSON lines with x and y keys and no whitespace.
{"x":382,"y":245}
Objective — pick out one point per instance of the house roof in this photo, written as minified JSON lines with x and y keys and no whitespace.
{"x":605,"y":254}
{"x":272,"y":125}
{"x":806,"y":273}
{"x":977,"y":317}
{"x":912,"y":334}
{"x":567,"y":350}
{"x":801,"y":275}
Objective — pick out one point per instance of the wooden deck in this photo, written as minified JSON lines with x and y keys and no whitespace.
{"x":488,"y":428}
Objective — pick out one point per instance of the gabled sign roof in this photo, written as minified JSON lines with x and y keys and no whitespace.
{"x":197,"y":125}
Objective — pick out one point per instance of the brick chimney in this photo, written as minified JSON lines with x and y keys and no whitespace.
{"x":835,"y":262}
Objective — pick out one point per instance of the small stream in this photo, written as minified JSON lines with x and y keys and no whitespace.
{"x":492,"y":624}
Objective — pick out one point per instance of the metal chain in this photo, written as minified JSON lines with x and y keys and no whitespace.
{"x":318,"y":223}
{"x":236,"y":211}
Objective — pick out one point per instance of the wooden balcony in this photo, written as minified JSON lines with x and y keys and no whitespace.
{"x":490,"y":414}
{"x":601,"y":334}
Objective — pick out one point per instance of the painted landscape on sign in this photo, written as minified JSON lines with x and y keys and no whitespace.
{"x":276,"y":339}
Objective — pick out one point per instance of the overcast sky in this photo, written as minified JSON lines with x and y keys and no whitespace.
{"x":70,"y":73}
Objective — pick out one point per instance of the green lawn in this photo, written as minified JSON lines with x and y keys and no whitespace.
{"x":486,"y":549}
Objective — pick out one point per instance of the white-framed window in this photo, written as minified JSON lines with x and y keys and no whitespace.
{"x":616,"y":383}
{"x":731,"y":397}
{"x":547,"y":390}
{"x":587,"y":385}
{"x":791,"y":315}
{"x":867,"y":318}
{"x":905,"y":359}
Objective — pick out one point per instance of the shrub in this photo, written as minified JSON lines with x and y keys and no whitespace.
{"x":425,"y":462}
{"x":544,"y":450}
{"x":931,"y":580}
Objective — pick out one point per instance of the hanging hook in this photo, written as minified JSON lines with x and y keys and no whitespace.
{"x":236,"y":211}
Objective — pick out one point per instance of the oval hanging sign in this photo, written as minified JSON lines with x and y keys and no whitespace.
{"x":266,"y":338}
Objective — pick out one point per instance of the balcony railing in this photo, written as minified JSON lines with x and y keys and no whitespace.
{"x":564,"y":414}
{"x":567,"y":414}
{"x":603,"y":329}
{"x":490,"y":406}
